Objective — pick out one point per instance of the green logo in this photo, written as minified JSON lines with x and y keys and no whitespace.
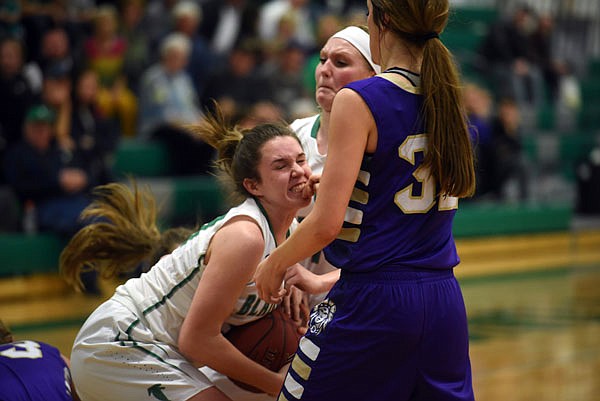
{"x":157,"y":392}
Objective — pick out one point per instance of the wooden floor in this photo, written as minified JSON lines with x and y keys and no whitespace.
{"x":533,"y":304}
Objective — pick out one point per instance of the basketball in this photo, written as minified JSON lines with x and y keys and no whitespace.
{"x":270,"y":341}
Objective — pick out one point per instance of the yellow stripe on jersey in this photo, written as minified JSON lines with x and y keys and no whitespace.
{"x":353,"y":216}
{"x":282,"y":397}
{"x":360,"y":196}
{"x":349,"y":234}
{"x":301,"y":368}
{"x":364,"y":177}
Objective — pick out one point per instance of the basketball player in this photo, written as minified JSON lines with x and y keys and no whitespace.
{"x":344,"y":58}
{"x":33,"y":370}
{"x":150,"y":339}
{"x":394,"y":326}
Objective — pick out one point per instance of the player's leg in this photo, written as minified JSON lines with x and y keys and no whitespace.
{"x":361,"y":343}
{"x":105,"y":368}
{"x":445,"y":373}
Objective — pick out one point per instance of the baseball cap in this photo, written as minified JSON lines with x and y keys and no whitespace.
{"x":39,"y":113}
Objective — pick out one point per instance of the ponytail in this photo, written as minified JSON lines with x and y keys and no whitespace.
{"x":121,"y":236}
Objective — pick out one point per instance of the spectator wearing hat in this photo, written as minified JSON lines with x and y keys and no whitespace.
{"x":42,"y":173}
{"x":52,"y":181}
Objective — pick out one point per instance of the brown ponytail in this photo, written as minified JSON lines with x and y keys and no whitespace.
{"x":450,"y":154}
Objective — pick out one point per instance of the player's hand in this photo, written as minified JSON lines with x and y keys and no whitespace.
{"x":311,"y":187}
{"x":295,"y":305}
{"x":302,"y":278}
{"x":269,"y":281}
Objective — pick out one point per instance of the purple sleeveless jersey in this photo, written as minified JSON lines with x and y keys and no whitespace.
{"x":33,"y":371}
{"x":395,"y":217}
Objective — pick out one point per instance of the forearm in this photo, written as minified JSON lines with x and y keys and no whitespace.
{"x":219,"y":354}
{"x":311,"y":236}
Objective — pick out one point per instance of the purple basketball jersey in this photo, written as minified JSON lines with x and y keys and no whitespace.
{"x":33,"y":371}
{"x":395,"y":216}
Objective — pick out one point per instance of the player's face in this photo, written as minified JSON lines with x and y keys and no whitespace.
{"x":283,"y":172}
{"x":340,"y":63}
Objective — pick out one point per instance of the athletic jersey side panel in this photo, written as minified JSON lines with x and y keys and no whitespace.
{"x":161,"y":297}
{"x":33,"y":371}
{"x":394,"y":216}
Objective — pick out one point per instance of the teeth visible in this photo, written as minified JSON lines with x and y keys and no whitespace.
{"x":298,"y":188}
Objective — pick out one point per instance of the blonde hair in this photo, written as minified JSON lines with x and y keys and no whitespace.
{"x":123,"y":234}
{"x":450,"y":153}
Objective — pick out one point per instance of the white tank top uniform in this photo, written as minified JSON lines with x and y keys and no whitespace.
{"x":127,"y":348}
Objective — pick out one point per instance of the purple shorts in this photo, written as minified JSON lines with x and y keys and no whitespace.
{"x":387,"y":335}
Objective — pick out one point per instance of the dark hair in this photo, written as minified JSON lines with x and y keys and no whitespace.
{"x":123,"y":233}
{"x":238,"y":151}
{"x":450,"y":153}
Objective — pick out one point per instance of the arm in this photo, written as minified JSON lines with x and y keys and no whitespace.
{"x":229,"y":269}
{"x":300,"y":277}
{"x":352,"y":132}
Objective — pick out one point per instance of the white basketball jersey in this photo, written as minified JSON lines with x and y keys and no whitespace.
{"x":161,"y":297}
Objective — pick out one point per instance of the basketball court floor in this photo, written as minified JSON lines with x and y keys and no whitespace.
{"x":533,"y":305}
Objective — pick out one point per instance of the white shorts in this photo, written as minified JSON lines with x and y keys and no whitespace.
{"x":106,"y":368}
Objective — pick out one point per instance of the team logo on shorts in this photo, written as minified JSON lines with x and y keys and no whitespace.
{"x":321,"y":316}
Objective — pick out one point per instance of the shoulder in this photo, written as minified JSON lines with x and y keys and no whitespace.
{"x":302,"y":126}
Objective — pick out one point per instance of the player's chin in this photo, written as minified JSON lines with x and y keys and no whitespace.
{"x":298,"y":199}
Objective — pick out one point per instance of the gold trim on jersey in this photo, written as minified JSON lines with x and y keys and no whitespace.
{"x":360,"y":196}
{"x":400,"y":81}
{"x":349,"y":234}
{"x":301,"y":368}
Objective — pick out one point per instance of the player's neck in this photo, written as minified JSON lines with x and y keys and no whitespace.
{"x":323,"y":133}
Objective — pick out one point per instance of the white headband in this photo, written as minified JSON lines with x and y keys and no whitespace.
{"x":360,"y":40}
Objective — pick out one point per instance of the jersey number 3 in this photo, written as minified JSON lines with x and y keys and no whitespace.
{"x":407,"y":199}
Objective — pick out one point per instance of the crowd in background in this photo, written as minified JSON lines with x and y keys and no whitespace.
{"x":78,"y":76}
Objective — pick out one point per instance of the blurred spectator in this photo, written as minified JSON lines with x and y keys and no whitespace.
{"x":187,"y":19}
{"x":261,"y":113}
{"x":226,"y":22}
{"x":508,"y":54}
{"x":167,"y":102}
{"x":138,"y":55}
{"x":286,"y":78}
{"x":105,"y":53}
{"x":16,"y":94}
{"x":56,"y":94}
{"x":95,"y":136}
{"x":42,"y":173}
{"x":239,"y":85}
{"x":479,"y":103}
{"x":10,"y":19}
{"x":509,"y":177}
{"x":37,"y":17}
{"x":301,"y":14}
{"x":157,"y":22}
{"x":56,"y":52}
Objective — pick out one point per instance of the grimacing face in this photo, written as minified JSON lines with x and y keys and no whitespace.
{"x":283,"y":171}
{"x":340,"y":63}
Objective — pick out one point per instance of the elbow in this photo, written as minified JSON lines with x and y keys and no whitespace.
{"x":326,"y":233}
